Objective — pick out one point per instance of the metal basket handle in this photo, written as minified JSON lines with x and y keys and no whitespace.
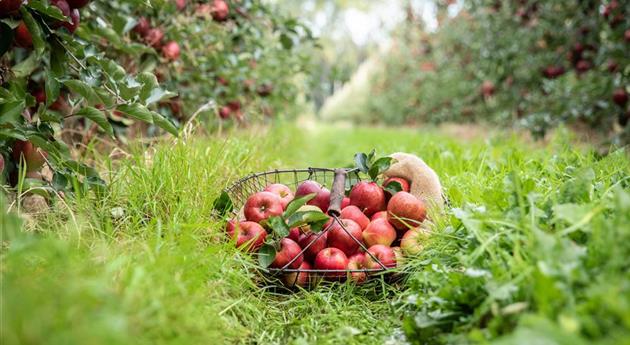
{"x":338,"y":192}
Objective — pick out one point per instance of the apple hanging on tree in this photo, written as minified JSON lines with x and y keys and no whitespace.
{"x":32,"y":155}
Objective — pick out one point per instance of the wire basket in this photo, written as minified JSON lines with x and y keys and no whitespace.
{"x":340,"y":180}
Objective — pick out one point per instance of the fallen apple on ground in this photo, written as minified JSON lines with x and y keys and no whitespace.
{"x":32,"y":155}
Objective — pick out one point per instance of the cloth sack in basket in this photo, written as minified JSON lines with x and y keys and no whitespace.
{"x":424,"y":182}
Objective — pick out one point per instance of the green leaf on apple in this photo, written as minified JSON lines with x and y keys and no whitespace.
{"x":278,"y":226}
{"x":296,"y":203}
{"x":266,"y":255}
{"x":379,"y":166}
{"x":318,"y":226}
{"x":393,"y":187}
{"x":306,"y":217}
{"x":223,"y":204}
{"x":361,"y":162}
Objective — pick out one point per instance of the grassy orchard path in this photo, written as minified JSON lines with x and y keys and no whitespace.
{"x":146,"y":265}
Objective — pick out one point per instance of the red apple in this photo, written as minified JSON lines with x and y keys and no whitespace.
{"x":404,"y":184}
{"x":487,"y":88}
{"x":552,"y":72}
{"x":142,"y":27}
{"x":180,"y":4}
{"x":248,"y":234}
{"x":332,"y":259}
{"x":294,"y":234}
{"x":154,"y":37}
{"x":297,"y":279}
{"x":353,"y":212}
{"x":23,"y":37}
{"x":379,"y":215}
{"x":284,"y":192}
{"x":368,"y":197}
{"x":319,"y":243}
{"x":63,"y":6}
{"x":340,"y":239}
{"x":261,"y":206}
{"x":75,"y":19}
{"x":225,"y":112}
{"x":583,"y":66}
{"x":383,"y":253}
{"x":379,"y":232}
{"x":620,"y":97}
{"x":220,"y":10}
{"x":321,"y":200}
{"x":413,"y":241}
{"x":612,"y":66}
{"x":405,"y":210}
{"x":7,"y":7}
{"x":34,"y":156}
{"x":345,"y":202}
{"x":171,"y":50}
{"x":288,"y":251}
{"x":357,"y":262}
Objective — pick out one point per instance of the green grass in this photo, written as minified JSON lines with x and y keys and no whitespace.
{"x":535,"y":247}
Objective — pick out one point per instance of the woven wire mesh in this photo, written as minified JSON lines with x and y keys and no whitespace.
{"x":240,"y":191}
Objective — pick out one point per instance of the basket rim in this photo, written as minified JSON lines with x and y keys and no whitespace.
{"x":310,"y":170}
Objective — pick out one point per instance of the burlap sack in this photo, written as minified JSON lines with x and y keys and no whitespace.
{"x":424,"y":182}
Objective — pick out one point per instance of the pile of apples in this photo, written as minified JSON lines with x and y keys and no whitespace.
{"x":380,"y":230}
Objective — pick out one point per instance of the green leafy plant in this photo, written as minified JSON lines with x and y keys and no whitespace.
{"x":373,"y":167}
